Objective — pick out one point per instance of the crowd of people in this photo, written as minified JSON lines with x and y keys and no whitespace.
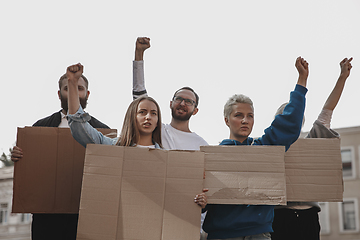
{"x":142,"y":127}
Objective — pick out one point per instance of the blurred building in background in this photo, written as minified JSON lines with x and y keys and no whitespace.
{"x":12,"y":226}
{"x":340,"y":221}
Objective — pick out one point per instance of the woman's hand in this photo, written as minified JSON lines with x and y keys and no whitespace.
{"x":201,"y":199}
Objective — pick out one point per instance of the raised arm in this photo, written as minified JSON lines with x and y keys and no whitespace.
{"x":81,"y":130}
{"x":303,"y":68}
{"x":142,"y":43}
{"x":286,"y":127}
{"x":333,"y":99}
{"x":321,"y":127}
{"x":73,"y":74}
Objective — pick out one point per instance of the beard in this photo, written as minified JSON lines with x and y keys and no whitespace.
{"x":64,"y":103}
{"x":185,"y":117}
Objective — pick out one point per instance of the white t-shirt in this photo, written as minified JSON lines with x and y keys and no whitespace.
{"x":175,"y":139}
{"x":171,"y":138}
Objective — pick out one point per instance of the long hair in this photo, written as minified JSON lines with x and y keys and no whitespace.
{"x":130,"y":133}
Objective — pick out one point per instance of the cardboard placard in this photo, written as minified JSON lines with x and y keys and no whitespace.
{"x":251,"y":174}
{"x":140,"y":193}
{"x":245,"y":174}
{"x":48,"y":177}
{"x":313,"y":169}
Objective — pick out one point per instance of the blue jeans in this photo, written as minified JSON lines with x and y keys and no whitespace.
{"x":261,"y":236}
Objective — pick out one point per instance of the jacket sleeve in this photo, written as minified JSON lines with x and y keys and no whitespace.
{"x":320,"y":131}
{"x":53,"y":120}
{"x":286,"y":127}
{"x":138,"y":79}
{"x":83,"y":132}
{"x":97,"y":124}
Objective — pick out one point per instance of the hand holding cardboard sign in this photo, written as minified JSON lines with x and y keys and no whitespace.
{"x":201,"y":199}
{"x":16,"y":154}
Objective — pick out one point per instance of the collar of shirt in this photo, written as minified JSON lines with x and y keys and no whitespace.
{"x":64,"y":121}
{"x":142,"y":146}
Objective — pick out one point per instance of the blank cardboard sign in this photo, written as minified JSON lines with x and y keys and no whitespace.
{"x":48,"y":177}
{"x":140,"y":193}
{"x":255,"y":174}
{"x":313,"y":168}
{"x":245,"y":174}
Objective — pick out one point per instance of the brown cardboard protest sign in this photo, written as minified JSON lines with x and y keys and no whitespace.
{"x":251,"y":174}
{"x":314,"y":170}
{"x":48,"y":177}
{"x":245,"y":174}
{"x":140,"y":193}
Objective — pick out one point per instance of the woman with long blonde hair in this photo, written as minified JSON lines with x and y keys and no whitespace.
{"x":130,"y":133}
{"x":141,"y":127}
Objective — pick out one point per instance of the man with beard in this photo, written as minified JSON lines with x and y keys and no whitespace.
{"x":177,"y":134}
{"x":58,"y":226}
{"x":58,"y":119}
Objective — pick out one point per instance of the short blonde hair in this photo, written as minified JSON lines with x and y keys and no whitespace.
{"x":236,"y":98}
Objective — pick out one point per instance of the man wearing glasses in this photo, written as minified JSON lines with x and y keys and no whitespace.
{"x":177,"y":134}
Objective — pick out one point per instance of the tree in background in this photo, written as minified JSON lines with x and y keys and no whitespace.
{"x":6,"y":160}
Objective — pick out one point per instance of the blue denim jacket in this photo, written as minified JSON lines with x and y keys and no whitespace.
{"x":84,"y":133}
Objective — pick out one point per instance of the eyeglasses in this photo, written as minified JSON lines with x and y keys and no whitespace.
{"x":188,"y":102}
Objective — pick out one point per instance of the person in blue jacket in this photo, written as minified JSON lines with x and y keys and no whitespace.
{"x":255,"y":221}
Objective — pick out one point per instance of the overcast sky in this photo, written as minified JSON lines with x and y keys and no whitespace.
{"x":219,"y":48}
